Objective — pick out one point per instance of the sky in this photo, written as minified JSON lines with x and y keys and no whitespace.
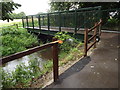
{"x":31,"y":7}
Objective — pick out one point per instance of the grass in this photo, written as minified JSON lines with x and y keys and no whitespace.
{"x":16,"y":21}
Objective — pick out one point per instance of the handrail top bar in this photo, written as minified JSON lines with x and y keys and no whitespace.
{"x":26,"y":52}
{"x":81,"y":9}
{"x":89,"y":30}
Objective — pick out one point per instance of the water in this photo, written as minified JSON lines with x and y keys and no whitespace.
{"x":42,"y":56}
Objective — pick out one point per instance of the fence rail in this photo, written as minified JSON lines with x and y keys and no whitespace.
{"x":86,"y":39}
{"x":54,"y":46}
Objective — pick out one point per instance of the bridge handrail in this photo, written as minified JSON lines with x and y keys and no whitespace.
{"x":81,"y":9}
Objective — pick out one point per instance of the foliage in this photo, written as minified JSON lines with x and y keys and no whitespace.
{"x":17,"y":15}
{"x":61,"y":6}
{"x":69,"y":41}
{"x":16,"y":40}
{"x":23,"y":76}
{"x":7,"y":9}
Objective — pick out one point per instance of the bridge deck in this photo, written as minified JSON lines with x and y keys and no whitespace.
{"x":56,"y":29}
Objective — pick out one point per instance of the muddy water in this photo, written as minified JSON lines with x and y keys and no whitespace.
{"x":42,"y":56}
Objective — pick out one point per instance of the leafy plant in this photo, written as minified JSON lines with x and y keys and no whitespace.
{"x":16,"y":40}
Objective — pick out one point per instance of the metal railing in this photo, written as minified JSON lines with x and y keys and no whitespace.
{"x":97,"y":27}
{"x":75,"y":19}
{"x":54,"y":46}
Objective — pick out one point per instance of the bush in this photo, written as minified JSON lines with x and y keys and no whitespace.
{"x":15,"y":40}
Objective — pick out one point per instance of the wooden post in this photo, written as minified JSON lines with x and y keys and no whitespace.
{"x":85,"y":42}
{"x":95,"y":32}
{"x":55,"y":60}
{"x":17,"y":26}
{"x":100,"y":28}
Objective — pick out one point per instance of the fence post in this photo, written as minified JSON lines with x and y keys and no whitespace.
{"x":32,"y":22}
{"x":100,"y":28}
{"x":48,"y":21}
{"x":85,"y":42}
{"x":55,"y":60}
{"x":95,"y":32}
{"x":23,"y":22}
{"x":27,"y":21}
{"x":75,"y":21}
{"x":43,"y":20}
{"x":17,"y":26}
{"x":59,"y":22}
{"x":39,"y":22}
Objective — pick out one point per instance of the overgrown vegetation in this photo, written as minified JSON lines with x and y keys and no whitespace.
{"x":16,"y":40}
{"x":24,"y":76}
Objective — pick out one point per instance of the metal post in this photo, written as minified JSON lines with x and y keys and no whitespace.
{"x":85,"y":42}
{"x":32,"y":22}
{"x":59,"y":22}
{"x":75,"y":21}
{"x":27,"y":21}
{"x":48,"y":21}
{"x":23,"y":22}
{"x":39,"y":22}
{"x":43,"y":20}
{"x":55,"y":60}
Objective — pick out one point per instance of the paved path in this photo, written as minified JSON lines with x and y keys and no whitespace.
{"x":100,"y":70}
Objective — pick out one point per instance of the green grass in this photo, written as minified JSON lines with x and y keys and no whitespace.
{"x":6,"y":24}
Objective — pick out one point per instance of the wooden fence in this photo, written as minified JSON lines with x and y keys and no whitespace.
{"x":54,"y":46}
{"x":95,"y":29}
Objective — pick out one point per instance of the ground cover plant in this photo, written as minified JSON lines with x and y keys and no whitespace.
{"x":15,"y":40}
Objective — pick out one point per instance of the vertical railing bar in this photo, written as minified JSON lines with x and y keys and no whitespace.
{"x":85,"y":42}
{"x":48,"y":21}
{"x":23,"y":22}
{"x":59,"y":22}
{"x":39,"y":22}
{"x":55,"y":60}
{"x":32,"y":22}
{"x":27,"y":21}
{"x":75,"y":21}
{"x":43,"y":20}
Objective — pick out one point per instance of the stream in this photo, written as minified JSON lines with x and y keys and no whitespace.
{"x":42,"y":56}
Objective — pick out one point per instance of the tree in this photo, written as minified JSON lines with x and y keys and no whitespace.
{"x":7,"y":9}
{"x":17,"y":15}
{"x":61,"y":6}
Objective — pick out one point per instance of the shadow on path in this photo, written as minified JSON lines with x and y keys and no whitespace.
{"x":77,"y":67}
